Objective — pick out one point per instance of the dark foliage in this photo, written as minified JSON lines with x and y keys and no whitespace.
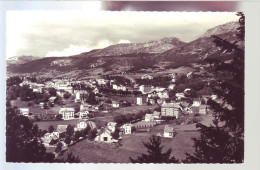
{"x":224,"y":143}
{"x":154,"y":153}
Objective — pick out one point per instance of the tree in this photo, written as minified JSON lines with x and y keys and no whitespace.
{"x":58,"y":116}
{"x":224,"y":143}
{"x":115,"y":134}
{"x":52,"y":91}
{"x":67,"y":95}
{"x":69,"y":130}
{"x":67,"y":140}
{"x":58,"y":148}
{"x":154,"y":153}
{"x":92,"y":134}
{"x":72,"y":159}
{"x":51,"y":129}
{"x":22,"y":139}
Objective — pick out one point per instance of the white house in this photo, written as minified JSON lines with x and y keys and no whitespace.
{"x":203,"y":109}
{"x":168,"y":131}
{"x":127,"y":128}
{"x":104,"y":135}
{"x":180,"y":95}
{"x":24,"y":111}
{"x":149,"y":117}
{"x":111,"y":126}
{"x":189,"y":75}
{"x":67,"y":113}
{"x":83,"y":114}
{"x":163,"y":94}
{"x":170,"y":109}
{"x":196,"y":102}
{"x":157,"y":115}
{"x":115,"y":104}
{"x":147,"y":76}
{"x":171,"y":86}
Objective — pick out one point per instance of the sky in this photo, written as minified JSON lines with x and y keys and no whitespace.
{"x":66,"y":33}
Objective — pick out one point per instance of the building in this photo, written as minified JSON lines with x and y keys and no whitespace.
{"x":127,"y":128}
{"x":52,"y":99}
{"x":104,"y":135}
{"x":61,"y":129}
{"x":83,"y":114}
{"x":196,"y":102}
{"x":149,"y":117}
{"x":24,"y":111}
{"x":147,"y":76}
{"x":171,"y":86}
{"x":140,"y":100}
{"x":203,"y":109}
{"x":163,"y":94}
{"x":144,"y":124}
{"x":171,"y":110}
{"x":119,"y":87}
{"x":157,"y":115}
{"x":111,"y":126}
{"x":115,"y":104}
{"x":169,"y":131}
{"x":180,"y":96}
{"x":67,"y":113}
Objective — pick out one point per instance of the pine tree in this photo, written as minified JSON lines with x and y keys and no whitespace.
{"x":223,"y":142}
{"x":154,"y":153}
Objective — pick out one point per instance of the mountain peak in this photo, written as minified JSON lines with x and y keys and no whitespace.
{"x":221,"y":29}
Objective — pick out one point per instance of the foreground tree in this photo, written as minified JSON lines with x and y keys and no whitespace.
{"x":154,"y":153}
{"x":23,"y":142}
{"x":223,"y":142}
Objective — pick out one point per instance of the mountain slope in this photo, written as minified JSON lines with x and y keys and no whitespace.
{"x":136,"y":56}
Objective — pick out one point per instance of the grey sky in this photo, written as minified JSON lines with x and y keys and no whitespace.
{"x":64,"y":33}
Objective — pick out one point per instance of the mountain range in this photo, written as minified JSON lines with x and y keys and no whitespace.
{"x":132,"y":57}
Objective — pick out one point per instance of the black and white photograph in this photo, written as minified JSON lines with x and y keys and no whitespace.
{"x":125,"y":87}
{"x":129,"y":84}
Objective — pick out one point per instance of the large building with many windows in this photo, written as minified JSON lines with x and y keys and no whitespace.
{"x":170,"y":109}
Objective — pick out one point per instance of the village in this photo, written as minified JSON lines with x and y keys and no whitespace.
{"x":110,"y":108}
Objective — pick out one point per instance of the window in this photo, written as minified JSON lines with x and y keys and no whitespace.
{"x":105,"y":138}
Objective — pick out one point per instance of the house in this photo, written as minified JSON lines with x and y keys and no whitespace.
{"x":111,"y":126}
{"x":148,"y":117}
{"x":180,"y":96}
{"x":83,"y":114}
{"x":115,"y":104}
{"x":189,"y":75}
{"x":82,"y":124}
{"x":151,"y":101}
{"x":163,"y":94}
{"x":171,"y":110}
{"x":24,"y":111}
{"x":171,"y":86}
{"x":119,"y":87}
{"x":168,"y":131}
{"x":140,"y":100}
{"x":157,"y":115}
{"x":52,"y":99}
{"x":37,"y":89}
{"x":77,"y":97}
{"x":104,"y":135}
{"x":144,"y":124}
{"x":96,"y":91}
{"x":196,"y":102}
{"x":127,"y":128}
{"x":61,"y":129}
{"x":147,"y":76}
{"x":203,"y":109}
{"x":67,"y":113}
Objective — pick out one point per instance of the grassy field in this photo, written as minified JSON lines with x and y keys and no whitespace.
{"x":132,"y":145}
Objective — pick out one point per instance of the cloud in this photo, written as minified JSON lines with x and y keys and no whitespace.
{"x":71,"y":50}
{"x":123,"y":41}
{"x":60,"y":33}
